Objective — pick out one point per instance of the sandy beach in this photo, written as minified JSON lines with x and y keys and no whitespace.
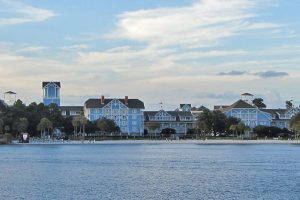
{"x":202,"y":142}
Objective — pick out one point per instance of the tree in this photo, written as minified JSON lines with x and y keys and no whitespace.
{"x":1,"y":125}
{"x":231,"y":121}
{"x":234,"y":129}
{"x":21,"y":125}
{"x":107,"y":125}
{"x":218,"y":121}
{"x":45,"y":124}
{"x":201,"y":128}
{"x":259,"y":102}
{"x":76,"y":124}
{"x":289,"y":104}
{"x":167,"y":132}
{"x":207,"y":118}
{"x":295,"y":119}
{"x":296,"y":128}
{"x":152,"y":128}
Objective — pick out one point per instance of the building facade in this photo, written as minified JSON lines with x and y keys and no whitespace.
{"x":51,"y":93}
{"x":71,"y":111}
{"x":281,"y":117}
{"x":250,"y":115}
{"x":180,"y":121}
{"x":128,"y":114}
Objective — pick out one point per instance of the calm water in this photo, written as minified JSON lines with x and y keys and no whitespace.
{"x":168,"y":171}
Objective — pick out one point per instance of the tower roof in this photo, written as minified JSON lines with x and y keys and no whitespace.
{"x":46,"y":83}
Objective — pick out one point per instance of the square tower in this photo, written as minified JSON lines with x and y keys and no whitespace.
{"x":51,"y":93}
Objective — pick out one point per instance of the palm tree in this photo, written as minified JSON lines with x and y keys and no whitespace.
{"x":83,"y":122}
{"x":76,"y":124}
{"x":152,"y":127}
{"x":234,"y":129}
{"x":296,"y":128}
{"x":1,"y":125}
{"x":45,"y":124}
{"x":201,"y":125}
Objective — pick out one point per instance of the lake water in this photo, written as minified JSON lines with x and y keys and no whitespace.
{"x":141,"y":171}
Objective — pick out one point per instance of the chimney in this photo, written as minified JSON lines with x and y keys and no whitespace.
{"x":126,"y":100}
{"x":102,"y":99}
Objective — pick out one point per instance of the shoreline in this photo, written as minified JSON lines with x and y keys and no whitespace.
{"x":200,"y":142}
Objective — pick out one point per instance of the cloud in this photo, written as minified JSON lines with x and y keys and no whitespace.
{"x":262,"y":74}
{"x":22,"y":13}
{"x":232,"y":73}
{"x":271,"y":74}
{"x":203,"y":24}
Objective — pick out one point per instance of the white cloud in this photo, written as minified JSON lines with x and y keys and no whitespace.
{"x":203,"y":24}
{"x":23,"y":13}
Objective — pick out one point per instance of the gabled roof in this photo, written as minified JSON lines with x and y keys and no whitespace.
{"x":247,"y":94}
{"x":275,"y":111}
{"x":176,"y":114}
{"x":201,"y":108}
{"x":71,"y":108}
{"x":132,"y":103}
{"x":182,"y":105}
{"x":239,"y":104}
{"x":10,"y":92}
{"x":46,"y":83}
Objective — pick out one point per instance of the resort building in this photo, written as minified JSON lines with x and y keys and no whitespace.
{"x":71,"y":111}
{"x":180,"y":121}
{"x":281,"y":117}
{"x":127,"y":113}
{"x":51,"y":93}
{"x":250,"y":115}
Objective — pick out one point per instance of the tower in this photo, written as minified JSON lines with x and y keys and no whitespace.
{"x":51,"y":93}
{"x":10,"y":98}
{"x":247,"y":97}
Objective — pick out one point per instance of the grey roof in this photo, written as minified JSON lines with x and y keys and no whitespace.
{"x":239,"y":104}
{"x":181,"y":105}
{"x":176,"y":114}
{"x":46,"y":83}
{"x":276,"y":111}
{"x":71,"y":108}
{"x":10,"y":92}
{"x":132,"y":103}
{"x":201,"y":108}
{"x":247,"y":94}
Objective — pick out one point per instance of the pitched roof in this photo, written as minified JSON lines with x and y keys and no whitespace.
{"x":46,"y":83}
{"x":71,"y":108}
{"x":176,"y":114}
{"x":247,"y":94}
{"x":10,"y":92}
{"x":201,"y":108}
{"x":239,"y":104}
{"x":96,"y":103}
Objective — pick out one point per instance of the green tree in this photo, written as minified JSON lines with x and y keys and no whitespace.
{"x":231,"y":121}
{"x":296,"y":128}
{"x":76,"y":124}
{"x":207,"y":118}
{"x":152,"y":128}
{"x":289,"y":104}
{"x":44,"y":125}
{"x":107,"y":125}
{"x":218,"y":121}
{"x":202,"y":128}
{"x":1,"y":125}
{"x":21,"y":125}
{"x":259,"y":102}
{"x":234,"y":128}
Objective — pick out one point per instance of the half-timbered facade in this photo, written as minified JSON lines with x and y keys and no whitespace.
{"x":127,"y":113}
{"x":180,"y":121}
{"x":248,"y":114}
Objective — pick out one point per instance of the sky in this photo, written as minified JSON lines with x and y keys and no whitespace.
{"x":202,"y":52}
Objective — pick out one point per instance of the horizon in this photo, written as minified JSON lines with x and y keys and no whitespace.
{"x":199,"y":52}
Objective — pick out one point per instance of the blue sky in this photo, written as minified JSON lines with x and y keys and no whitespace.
{"x":204,"y":52}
